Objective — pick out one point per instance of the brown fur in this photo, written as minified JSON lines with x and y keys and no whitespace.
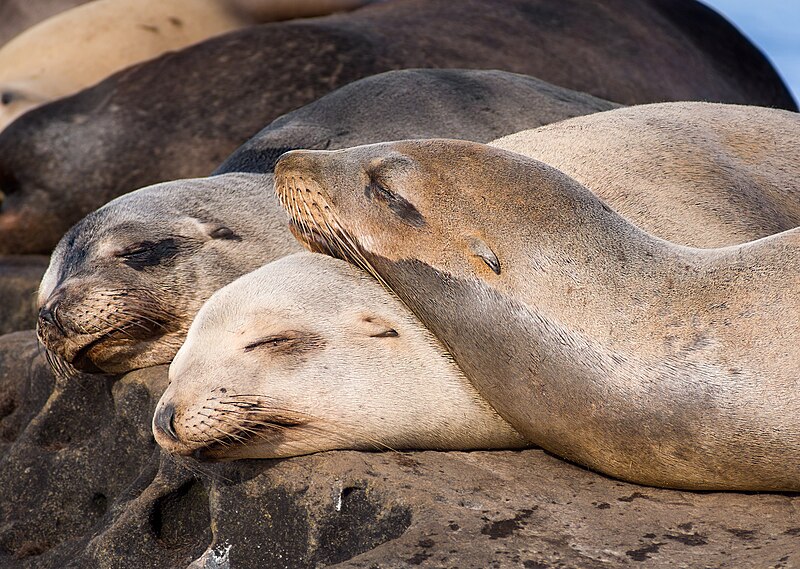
{"x":179,"y":115}
{"x":651,"y":362}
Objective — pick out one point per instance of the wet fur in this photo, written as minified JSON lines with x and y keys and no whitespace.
{"x":197,"y":240}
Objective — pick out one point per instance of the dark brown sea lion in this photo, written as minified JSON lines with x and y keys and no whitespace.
{"x":648,"y":361}
{"x":178,"y":116}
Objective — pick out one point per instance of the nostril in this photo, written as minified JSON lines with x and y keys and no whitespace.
{"x":165,"y":421}
{"x":48,"y":316}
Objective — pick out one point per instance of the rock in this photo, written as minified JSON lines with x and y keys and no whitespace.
{"x":25,"y":384}
{"x":83,"y":486}
{"x":20,"y":276}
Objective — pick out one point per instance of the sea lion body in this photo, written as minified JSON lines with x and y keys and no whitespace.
{"x":651,"y":362}
{"x":673,"y":168}
{"x":180,"y":115}
{"x":308,"y":354}
{"x":77,"y":48}
{"x":479,"y":104}
{"x":471,"y":104}
{"x":124,"y":284}
{"x":17,"y":16}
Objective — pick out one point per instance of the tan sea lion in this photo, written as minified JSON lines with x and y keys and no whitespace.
{"x":16,"y":16}
{"x":77,"y":48}
{"x":124,"y":284}
{"x":648,"y":361}
{"x":699,"y":174}
{"x":308,"y":354}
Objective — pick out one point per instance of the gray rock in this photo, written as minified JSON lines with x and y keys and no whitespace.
{"x":19,"y":280}
{"x":83,"y":486}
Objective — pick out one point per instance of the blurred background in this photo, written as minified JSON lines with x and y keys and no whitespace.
{"x":773,"y":26}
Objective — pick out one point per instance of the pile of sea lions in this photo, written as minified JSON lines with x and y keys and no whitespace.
{"x":520,"y":230}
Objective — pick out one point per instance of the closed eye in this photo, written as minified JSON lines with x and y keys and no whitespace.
{"x":287,"y":342}
{"x":149,"y":253}
{"x":397,"y":203}
{"x":268,"y":342}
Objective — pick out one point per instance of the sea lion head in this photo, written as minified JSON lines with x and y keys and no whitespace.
{"x":124,"y":283}
{"x":309,"y":354}
{"x":446,"y":203}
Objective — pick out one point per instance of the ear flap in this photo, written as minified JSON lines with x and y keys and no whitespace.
{"x":480,"y":249}
{"x":216,"y":230}
{"x":223,"y":232}
{"x":376,"y":327}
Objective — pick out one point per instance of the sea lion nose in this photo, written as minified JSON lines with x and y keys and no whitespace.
{"x":48,"y":316}
{"x":164,"y":421}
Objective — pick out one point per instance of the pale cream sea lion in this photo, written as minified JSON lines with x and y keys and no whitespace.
{"x":308,"y":354}
{"x":699,"y":174}
{"x":77,"y":48}
{"x":648,"y":361}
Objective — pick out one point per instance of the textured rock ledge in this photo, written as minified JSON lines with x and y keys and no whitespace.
{"x":20,"y":276}
{"x":82,"y":484}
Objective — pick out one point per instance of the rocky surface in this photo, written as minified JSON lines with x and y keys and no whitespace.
{"x":19,"y":280}
{"x":82,"y":484}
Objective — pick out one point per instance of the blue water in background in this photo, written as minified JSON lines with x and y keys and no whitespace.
{"x":774,"y":26}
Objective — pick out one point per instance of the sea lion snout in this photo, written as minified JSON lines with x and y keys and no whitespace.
{"x":164,"y":421}
{"x":48,"y":326}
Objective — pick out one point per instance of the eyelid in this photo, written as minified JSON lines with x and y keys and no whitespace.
{"x":274,"y":340}
{"x":134,"y":249}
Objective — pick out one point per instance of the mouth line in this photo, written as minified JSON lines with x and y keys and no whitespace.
{"x":217,"y":449}
{"x":81,"y":359}
{"x":315,"y":240}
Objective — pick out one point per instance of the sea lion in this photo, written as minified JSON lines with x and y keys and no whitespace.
{"x":17,"y":16}
{"x":471,"y":104}
{"x":77,"y":48}
{"x":180,"y":115}
{"x":480,"y":104}
{"x":308,"y":354}
{"x":651,"y":362}
{"x":124,"y":284}
{"x":277,"y":10}
{"x":676,"y":168}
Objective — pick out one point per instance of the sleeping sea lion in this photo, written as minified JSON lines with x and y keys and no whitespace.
{"x":308,"y":354}
{"x":651,"y":362}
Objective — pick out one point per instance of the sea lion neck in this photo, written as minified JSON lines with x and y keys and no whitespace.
{"x":577,"y":258}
